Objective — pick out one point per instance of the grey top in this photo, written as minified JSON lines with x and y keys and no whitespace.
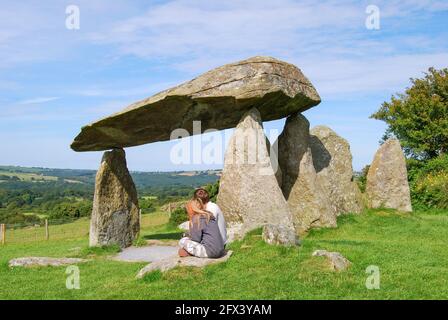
{"x":208,"y":235}
{"x":219,"y":216}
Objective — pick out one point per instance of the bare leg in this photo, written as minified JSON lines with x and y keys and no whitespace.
{"x":183,"y":253}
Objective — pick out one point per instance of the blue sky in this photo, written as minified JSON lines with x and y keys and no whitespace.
{"x":54,"y":80}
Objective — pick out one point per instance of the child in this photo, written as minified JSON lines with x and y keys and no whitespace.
{"x":205,"y":239}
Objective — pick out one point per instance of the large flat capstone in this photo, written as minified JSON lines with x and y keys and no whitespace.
{"x":217,"y":98}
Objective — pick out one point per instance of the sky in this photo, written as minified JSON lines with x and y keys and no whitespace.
{"x":55,"y":79}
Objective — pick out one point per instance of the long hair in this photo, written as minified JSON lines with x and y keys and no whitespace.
{"x":196,"y":207}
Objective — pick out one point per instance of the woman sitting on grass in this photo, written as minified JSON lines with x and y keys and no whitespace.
{"x":205,"y":240}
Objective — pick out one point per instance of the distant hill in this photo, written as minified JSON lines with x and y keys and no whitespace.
{"x":76,"y":176}
{"x":28,"y":194}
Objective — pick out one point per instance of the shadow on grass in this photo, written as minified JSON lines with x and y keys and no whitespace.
{"x":343,"y":242}
{"x":99,"y":251}
{"x":153,"y":276}
{"x":164,"y":236}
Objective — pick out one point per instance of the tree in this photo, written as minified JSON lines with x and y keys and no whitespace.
{"x":419,"y":117}
{"x":213,"y":190}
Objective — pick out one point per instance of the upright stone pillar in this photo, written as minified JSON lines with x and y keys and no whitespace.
{"x":249,"y":194}
{"x":317,"y":174}
{"x":332,"y":160}
{"x":387,"y":179}
{"x":115,"y":214}
{"x":308,"y":201}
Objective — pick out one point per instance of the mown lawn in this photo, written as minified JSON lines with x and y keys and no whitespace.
{"x":411,"y":252}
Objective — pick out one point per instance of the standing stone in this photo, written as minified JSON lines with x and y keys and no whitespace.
{"x":249,"y":194}
{"x":308,"y":201}
{"x":333,"y":164}
{"x":115,"y":214}
{"x":387,"y":179}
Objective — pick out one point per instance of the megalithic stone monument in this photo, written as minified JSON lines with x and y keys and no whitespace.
{"x":219,"y":99}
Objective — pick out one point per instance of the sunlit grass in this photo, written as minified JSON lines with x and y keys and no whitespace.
{"x":78,"y":229}
{"x":410,"y":250}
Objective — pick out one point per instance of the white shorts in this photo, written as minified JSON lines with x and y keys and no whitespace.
{"x":192,"y":247}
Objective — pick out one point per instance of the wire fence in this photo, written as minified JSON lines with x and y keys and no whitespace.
{"x":59,"y":229}
{"x":63,"y":229}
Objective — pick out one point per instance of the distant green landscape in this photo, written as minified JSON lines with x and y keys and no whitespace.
{"x":28,"y":195}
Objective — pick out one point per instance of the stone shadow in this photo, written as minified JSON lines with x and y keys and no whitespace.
{"x":164,"y":236}
{"x":321,"y":156}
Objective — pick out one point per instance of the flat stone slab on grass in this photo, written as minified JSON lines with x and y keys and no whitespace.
{"x":336,"y":260}
{"x":172,"y":262}
{"x":44,"y":262}
{"x":147,"y":254}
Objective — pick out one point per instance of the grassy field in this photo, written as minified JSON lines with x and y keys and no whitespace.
{"x":24,"y":176}
{"x":411,"y":252}
{"x":76,"y":230}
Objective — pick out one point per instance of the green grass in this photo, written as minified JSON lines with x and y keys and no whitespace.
{"x":79,"y":229}
{"x":410,"y":250}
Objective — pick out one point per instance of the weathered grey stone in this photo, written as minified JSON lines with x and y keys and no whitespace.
{"x":293,"y":144}
{"x":44,"y":262}
{"x":235,"y":230}
{"x":308,"y":201}
{"x":279,"y":235}
{"x":148,"y":253}
{"x":337,"y":261}
{"x":115,"y":214}
{"x":387,"y":180}
{"x":333,"y":164}
{"x":317,"y":174}
{"x":218,"y":98}
{"x":172,"y":262}
{"x":249,"y":194}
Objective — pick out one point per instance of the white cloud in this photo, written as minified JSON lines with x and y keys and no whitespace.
{"x":123,"y":90}
{"x":328,"y":40}
{"x":189,"y":28}
{"x":35,"y":32}
{"x":38,"y":100}
{"x":339,"y":77}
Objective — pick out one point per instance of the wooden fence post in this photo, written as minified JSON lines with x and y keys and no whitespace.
{"x":47,"y":233}
{"x":3,"y":228}
{"x":140,"y":216}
